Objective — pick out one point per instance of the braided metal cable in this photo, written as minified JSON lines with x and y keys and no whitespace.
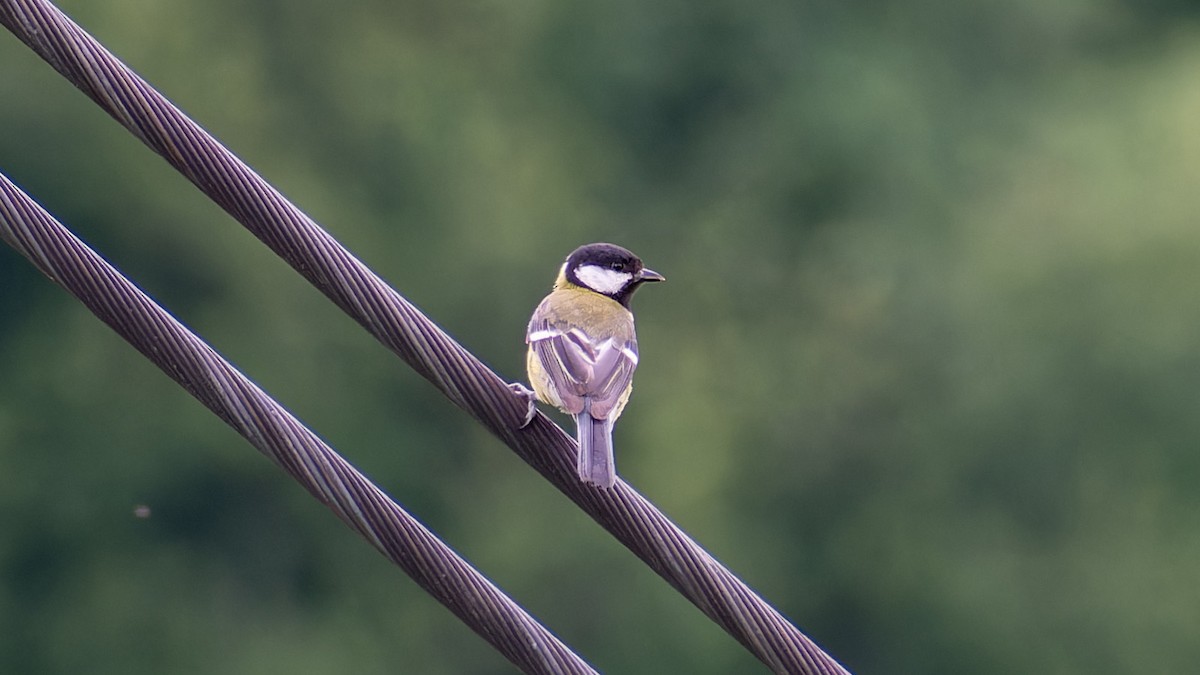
{"x":273,"y":430}
{"x":312,"y":252}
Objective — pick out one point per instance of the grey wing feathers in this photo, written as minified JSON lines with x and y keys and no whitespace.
{"x":614,"y":373}
{"x":586,"y":372}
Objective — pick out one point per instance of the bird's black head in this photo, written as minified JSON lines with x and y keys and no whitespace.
{"x":608,"y":270}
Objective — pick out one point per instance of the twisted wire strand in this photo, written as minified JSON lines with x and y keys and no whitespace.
{"x":276,"y":433}
{"x":400,"y":326}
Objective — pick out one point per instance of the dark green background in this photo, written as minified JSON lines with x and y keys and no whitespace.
{"x":925,"y":373}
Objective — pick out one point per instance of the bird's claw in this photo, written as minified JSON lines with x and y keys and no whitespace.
{"x":530,"y":399}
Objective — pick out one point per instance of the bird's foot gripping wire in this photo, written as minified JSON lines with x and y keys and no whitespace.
{"x":530,"y":399}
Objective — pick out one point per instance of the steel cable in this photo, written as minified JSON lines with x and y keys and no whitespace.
{"x":312,"y":252}
{"x":273,"y":430}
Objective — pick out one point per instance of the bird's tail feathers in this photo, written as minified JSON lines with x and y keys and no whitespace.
{"x":596,"y":464}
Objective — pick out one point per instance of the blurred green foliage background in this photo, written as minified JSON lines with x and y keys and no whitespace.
{"x":924,"y":374}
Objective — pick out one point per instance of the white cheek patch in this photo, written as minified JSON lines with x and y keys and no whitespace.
{"x":602,"y":279}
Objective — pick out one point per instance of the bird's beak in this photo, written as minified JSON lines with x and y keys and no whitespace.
{"x":650,"y":275}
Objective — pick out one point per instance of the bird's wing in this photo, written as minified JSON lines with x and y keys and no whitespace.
{"x":613,"y":375}
{"x":586,"y":372}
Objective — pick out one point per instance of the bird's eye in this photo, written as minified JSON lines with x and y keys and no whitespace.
{"x":617,"y":266}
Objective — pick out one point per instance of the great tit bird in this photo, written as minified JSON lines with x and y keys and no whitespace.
{"x":583,"y":350}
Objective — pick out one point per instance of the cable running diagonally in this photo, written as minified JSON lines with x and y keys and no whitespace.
{"x":273,"y":430}
{"x":401,"y":327}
